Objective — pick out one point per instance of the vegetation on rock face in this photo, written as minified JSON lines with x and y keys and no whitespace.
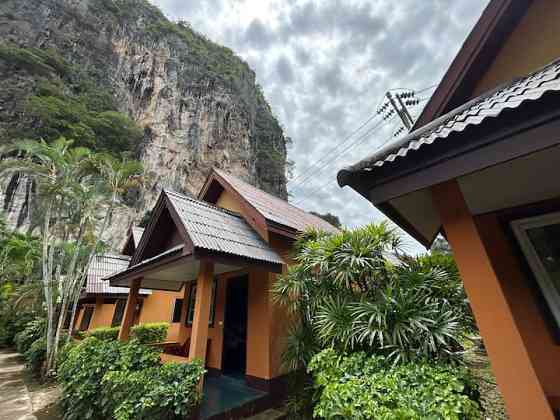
{"x":329,"y":217}
{"x":67,"y":103}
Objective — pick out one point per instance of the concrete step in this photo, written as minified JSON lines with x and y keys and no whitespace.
{"x":270,"y":414}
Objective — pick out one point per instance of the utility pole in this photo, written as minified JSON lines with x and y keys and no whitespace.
{"x":398,"y":106}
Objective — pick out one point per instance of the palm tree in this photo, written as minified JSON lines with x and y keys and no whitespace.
{"x":77,"y":194}
{"x":356,"y":290}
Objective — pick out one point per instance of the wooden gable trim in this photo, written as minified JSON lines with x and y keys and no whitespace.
{"x":476,"y":55}
{"x":161,"y":204}
{"x":251,"y":215}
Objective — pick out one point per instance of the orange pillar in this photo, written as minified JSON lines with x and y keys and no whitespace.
{"x":130,"y":311}
{"x":523,"y":394}
{"x":199,"y":334}
{"x":258,"y":325}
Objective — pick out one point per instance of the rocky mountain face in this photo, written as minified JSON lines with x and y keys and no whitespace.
{"x":81,"y":68}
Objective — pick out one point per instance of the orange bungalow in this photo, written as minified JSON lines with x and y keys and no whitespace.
{"x":206,"y":266}
{"x":480,"y":167}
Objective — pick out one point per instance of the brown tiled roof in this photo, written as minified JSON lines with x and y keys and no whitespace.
{"x":103,"y":266}
{"x":275,"y":209}
{"x":216,"y":229}
{"x":474,"y":112}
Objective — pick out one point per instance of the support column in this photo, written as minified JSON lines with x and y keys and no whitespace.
{"x":199,"y":333}
{"x":523,"y":394}
{"x":130,"y":311}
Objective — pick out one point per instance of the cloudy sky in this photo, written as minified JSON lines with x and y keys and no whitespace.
{"x":324,"y":67}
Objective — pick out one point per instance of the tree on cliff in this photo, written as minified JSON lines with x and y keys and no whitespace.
{"x":77,"y":192}
{"x":329,"y":217}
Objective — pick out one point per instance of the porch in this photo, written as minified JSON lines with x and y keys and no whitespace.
{"x":217,"y":262}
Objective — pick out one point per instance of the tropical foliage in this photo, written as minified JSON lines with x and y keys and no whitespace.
{"x":105,"y":333}
{"x":357,"y":294}
{"x":359,"y":386}
{"x":349,"y":296}
{"x":111,"y":379}
{"x":19,"y":256}
{"x":77,"y":192}
{"x":153,"y":332}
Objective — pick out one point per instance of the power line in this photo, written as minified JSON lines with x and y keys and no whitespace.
{"x":350,"y":146}
{"x":335,"y":148}
{"x":323,"y":186}
{"x":338,"y":146}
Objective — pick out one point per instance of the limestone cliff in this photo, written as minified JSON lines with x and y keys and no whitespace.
{"x":196,"y":103}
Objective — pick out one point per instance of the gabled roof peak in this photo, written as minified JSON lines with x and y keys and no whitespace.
{"x":273,"y":211}
{"x":200,"y":202}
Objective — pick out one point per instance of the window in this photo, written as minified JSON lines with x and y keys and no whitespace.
{"x":192,"y":299}
{"x":539,"y":238}
{"x":86,"y":318}
{"x":119,"y":313}
{"x":177,"y":310}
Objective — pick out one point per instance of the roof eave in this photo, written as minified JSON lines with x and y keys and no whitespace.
{"x":494,"y":25}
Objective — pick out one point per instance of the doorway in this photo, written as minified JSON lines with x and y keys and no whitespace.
{"x":234,"y":353}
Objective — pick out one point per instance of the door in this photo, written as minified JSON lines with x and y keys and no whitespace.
{"x":234,"y":356}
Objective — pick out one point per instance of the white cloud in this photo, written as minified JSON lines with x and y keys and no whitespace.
{"x":324,"y":65}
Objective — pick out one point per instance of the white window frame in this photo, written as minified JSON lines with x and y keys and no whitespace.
{"x":520,"y":228}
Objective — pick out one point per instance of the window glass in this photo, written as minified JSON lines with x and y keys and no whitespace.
{"x":546,"y":242}
{"x":119,"y":313}
{"x":177,"y":310}
{"x":539,"y":238}
{"x":192,"y":299}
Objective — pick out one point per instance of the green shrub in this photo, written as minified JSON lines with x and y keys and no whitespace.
{"x":359,"y":386}
{"x":105,"y":333}
{"x":33,"y":330}
{"x":36,"y":355}
{"x":11,"y":323}
{"x":104,"y":379}
{"x":150,"y":333}
{"x":84,"y":367}
{"x":164,"y":392}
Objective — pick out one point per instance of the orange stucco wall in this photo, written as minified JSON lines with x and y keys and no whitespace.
{"x":543,"y":350}
{"x":534,"y":43}
{"x":227,"y":201}
{"x":102,"y":315}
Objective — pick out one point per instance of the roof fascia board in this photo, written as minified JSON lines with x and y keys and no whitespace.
{"x":483,"y":153}
{"x":251,"y":215}
{"x":145,"y":270}
{"x":280,"y":230}
{"x":162,"y":203}
{"x":156,"y":213}
{"x":475,"y":56}
{"x":188,"y":247}
{"x":229,"y":259}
